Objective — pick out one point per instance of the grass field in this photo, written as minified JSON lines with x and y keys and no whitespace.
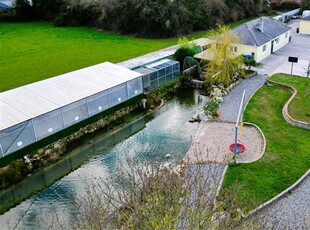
{"x":34,"y":51}
{"x":299,"y":108}
{"x":287,"y":155}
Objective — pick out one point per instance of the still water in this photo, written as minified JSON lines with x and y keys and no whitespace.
{"x":167,"y":132}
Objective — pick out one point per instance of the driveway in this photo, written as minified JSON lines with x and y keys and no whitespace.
{"x":298,"y":47}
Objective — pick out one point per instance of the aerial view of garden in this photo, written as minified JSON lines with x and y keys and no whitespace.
{"x":154,"y":114}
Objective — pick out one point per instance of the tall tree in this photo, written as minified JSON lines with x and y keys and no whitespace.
{"x":24,"y":11}
{"x":305,"y":5}
{"x":224,"y":61}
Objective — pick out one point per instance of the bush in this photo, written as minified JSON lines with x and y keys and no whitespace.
{"x":186,"y":49}
{"x":211,"y":107}
{"x":78,"y":15}
{"x":305,"y":5}
{"x":24,"y":11}
{"x":249,"y":61}
{"x":48,"y":9}
{"x":284,"y":6}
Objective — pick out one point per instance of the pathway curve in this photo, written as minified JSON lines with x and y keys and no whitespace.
{"x":230,"y":107}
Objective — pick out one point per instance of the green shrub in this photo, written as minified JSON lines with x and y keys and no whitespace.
{"x":24,"y":11}
{"x":249,"y":62}
{"x":305,"y":5}
{"x":211,"y":107}
{"x":284,"y":5}
{"x":78,"y":15}
{"x":186,"y":49}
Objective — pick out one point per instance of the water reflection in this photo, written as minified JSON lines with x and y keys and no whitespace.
{"x":168,"y":132}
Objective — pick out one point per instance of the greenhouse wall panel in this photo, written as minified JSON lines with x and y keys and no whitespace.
{"x":118,"y":94}
{"x":48,"y":123}
{"x":134,"y":87}
{"x":16,"y":137}
{"x":75,"y":112}
{"x":98,"y":103}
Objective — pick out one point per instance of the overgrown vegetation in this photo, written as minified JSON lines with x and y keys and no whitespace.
{"x":287,"y":153}
{"x":211,"y":107}
{"x":154,"y":195}
{"x":157,"y":18}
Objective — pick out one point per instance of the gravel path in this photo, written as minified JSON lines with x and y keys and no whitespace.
{"x":230,"y":107}
{"x":291,"y":212}
{"x":213,"y":138}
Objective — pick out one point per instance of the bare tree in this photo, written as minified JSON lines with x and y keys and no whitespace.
{"x":159,"y":196}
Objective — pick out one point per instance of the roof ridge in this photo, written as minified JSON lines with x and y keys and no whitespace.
{"x":246,"y":25}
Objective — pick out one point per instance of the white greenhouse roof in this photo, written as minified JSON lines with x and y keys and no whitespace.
{"x":29,"y":101}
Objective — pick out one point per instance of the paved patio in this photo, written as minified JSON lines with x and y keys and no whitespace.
{"x":278,"y":61}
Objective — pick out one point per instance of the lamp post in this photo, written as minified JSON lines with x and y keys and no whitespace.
{"x":240,"y":115}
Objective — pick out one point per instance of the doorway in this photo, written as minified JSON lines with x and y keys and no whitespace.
{"x":272,"y":47}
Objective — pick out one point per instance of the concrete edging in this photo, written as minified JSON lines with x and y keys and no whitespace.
{"x":285,"y":113}
{"x":264,"y":144}
{"x":258,"y":129}
{"x":220,"y":184}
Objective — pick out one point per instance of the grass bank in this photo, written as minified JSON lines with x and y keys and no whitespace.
{"x":287,"y":155}
{"x":299,"y":108}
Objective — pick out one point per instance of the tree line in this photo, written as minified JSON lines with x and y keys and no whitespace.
{"x":144,"y":18}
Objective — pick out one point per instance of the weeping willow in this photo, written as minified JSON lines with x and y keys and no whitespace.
{"x":224,"y":61}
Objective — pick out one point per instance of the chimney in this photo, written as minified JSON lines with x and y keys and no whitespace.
{"x":260,"y":25}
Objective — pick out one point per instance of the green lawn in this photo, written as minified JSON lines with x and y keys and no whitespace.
{"x":34,"y":51}
{"x":287,"y":155}
{"x":299,"y":108}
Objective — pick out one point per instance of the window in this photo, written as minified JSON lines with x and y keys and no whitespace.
{"x":286,"y":34}
{"x":264,"y":48}
{"x":277,"y":40}
{"x":234,"y":48}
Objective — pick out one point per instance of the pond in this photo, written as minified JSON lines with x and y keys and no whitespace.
{"x":167,"y":131}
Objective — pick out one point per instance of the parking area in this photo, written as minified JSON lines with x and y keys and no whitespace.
{"x":298,"y":47}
